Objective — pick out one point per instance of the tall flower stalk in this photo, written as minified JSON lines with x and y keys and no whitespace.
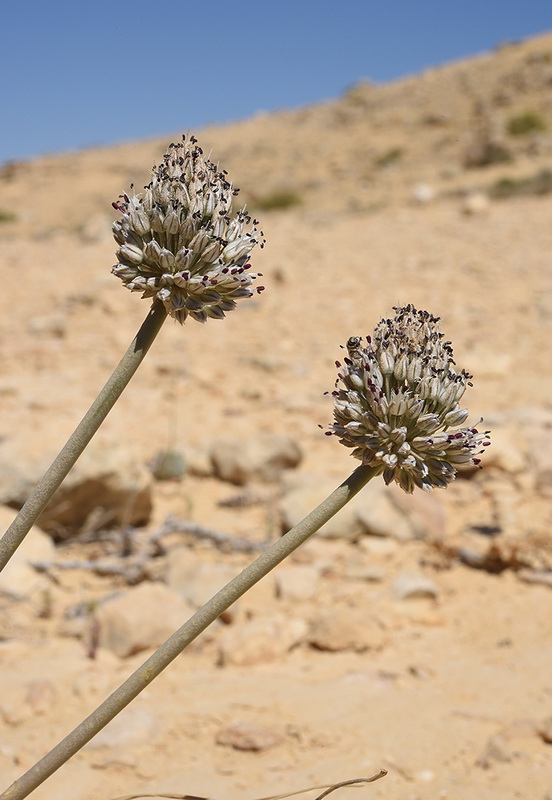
{"x":182,"y":246}
{"x":398,"y":401}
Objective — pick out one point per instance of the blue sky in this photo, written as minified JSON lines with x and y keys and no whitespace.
{"x":78,"y":74}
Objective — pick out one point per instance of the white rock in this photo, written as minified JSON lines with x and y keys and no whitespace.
{"x":140,"y":618}
{"x":364,"y":573}
{"x":422,"y":193}
{"x":370,"y":512}
{"x":377,"y":546}
{"x":298,"y":503}
{"x":261,"y":458}
{"x":410,"y":585}
{"x":260,"y":641}
{"x":345,"y":629}
{"x":476,"y":204}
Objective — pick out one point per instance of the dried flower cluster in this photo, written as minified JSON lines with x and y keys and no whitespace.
{"x":396,"y":403}
{"x":181,"y":243}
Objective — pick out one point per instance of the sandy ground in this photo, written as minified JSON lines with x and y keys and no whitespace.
{"x":451,"y":701}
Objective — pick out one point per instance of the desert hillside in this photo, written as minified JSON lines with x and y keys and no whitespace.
{"x":414,"y":633}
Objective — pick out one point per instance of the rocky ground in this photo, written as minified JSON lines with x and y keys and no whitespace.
{"x":414,"y":633}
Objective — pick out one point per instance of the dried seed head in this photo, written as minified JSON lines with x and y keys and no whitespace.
{"x":396,"y":403}
{"x":181,"y":243}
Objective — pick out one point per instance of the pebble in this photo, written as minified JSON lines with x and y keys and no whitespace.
{"x":299,"y":502}
{"x":422,"y":193}
{"x":345,"y":629}
{"x":260,"y":641}
{"x":476,"y":204}
{"x":411,"y":585}
{"x":361,"y":572}
{"x":169,"y":465}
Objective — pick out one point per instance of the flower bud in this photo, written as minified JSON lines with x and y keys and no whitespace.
{"x":180,"y":239}
{"x":401,"y":416}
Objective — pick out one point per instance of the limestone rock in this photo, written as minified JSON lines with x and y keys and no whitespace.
{"x":476,"y":204}
{"x":260,"y":641}
{"x":108,"y":484}
{"x":297,"y":503}
{"x":411,"y":585}
{"x":140,"y":618}
{"x":370,"y":512}
{"x":261,"y":458}
{"x":107,"y":481}
{"x":345,"y":629}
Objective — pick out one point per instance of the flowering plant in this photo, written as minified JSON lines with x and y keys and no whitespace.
{"x":396,"y":403}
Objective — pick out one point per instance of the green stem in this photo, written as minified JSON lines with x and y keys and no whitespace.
{"x":170,"y":649}
{"x":83,"y":433}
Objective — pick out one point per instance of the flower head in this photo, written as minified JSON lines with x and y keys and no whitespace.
{"x":181,"y":243}
{"x":396,"y":403}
